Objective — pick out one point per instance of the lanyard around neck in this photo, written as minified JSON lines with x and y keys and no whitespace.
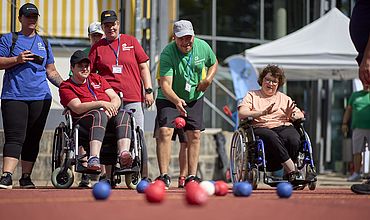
{"x":116,"y":53}
{"x":91,"y":91}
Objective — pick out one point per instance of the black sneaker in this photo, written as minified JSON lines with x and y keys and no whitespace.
{"x":6,"y":181}
{"x":85,"y":181}
{"x":192,"y":179}
{"x":166,"y":179}
{"x":25,"y":182}
{"x":363,"y":188}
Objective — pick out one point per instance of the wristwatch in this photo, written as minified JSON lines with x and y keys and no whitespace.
{"x":148,"y":91}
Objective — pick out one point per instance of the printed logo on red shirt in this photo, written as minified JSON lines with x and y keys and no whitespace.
{"x":96,"y":86}
{"x":125,"y":47}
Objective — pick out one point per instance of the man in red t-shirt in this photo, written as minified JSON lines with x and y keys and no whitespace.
{"x":93,"y":103}
{"x":121,"y":60}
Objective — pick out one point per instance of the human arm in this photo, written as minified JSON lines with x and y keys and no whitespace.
{"x":364,"y":69}
{"x":204,"y":83}
{"x":346,"y":119}
{"x":166,"y":86}
{"x":245,"y":112}
{"x":147,"y":81}
{"x":8,"y":62}
{"x":292,"y":112}
{"x":53,"y":75}
{"x":112,"y":107}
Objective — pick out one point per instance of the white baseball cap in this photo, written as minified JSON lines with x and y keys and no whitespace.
{"x":182,"y":28}
{"x":95,"y":27}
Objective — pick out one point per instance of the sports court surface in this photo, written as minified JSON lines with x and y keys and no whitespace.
{"x":49,"y":203}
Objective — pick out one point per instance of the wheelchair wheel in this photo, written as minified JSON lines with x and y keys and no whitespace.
{"x":132,"y":180}
{"x":311,"y":171}
{"x":237,"y":151}
{"x":253,"y":177}
{"x":59,"y":144}
{"x":62,"y":180}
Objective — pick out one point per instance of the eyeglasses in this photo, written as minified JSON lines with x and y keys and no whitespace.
{"x":271,"y":81}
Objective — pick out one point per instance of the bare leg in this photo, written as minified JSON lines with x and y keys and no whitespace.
{"x":164,"y":149}
{"x":288,"y":166}
{"x":193,"y":151}
{"x":357,"y":159}
{"x":9,"y":164}
{"x":183,"y":159}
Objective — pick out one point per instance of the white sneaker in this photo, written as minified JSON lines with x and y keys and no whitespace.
{"x":355,"y":177}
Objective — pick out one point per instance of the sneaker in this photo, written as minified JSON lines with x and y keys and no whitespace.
{"x":181,"y":182}
{"x":166,"y":179}
{"x":85,"y":181}
{"x":93,"y":163}
{"x":361,"y":188}
{"x":125,"y":160}
{"x":25,"y":182}
{"x":192,"y":178}
{"x":6,"y":181}
{"x":355,"y":177}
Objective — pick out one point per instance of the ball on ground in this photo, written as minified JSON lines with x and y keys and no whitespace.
{"x":243,"y":189}
{"x":143,"y":184}
{"x":221,"y":188}
{"x":196,"y":195}
{"x":284,"y":190}
{"x":208,"y":186}
{"x":154,"y":193}
{"x":101,"y":190}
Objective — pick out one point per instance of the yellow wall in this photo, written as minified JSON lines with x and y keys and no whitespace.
{"x":61,"y":18}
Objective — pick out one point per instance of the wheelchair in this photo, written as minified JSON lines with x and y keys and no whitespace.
{"x":65,"y":154}
{"x":247,"y":158}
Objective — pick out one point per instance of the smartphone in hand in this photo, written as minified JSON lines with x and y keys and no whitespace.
{"x":37,"y":59}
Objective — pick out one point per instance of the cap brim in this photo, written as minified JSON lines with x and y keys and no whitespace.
{"x":107,"y":20}
{"x":83,"y":59}
{"x":184,"y":33}
{"x":97,"y":32}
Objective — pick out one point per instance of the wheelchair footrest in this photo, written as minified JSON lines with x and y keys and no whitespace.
{"x":119,"y":171}
{"x":82,"y":169}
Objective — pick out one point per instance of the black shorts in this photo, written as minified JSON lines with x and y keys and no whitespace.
{"x":167,"y":112}
{"x":177,"y":132}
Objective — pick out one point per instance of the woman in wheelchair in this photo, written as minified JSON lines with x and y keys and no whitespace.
{"x":93,"y":103}
{"x":273,"y":113}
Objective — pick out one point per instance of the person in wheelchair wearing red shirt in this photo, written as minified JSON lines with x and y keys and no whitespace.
{"x":93,"y":103}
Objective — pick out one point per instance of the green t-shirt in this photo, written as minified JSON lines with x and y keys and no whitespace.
{"x":188,"y":68}
{"x":360,"y":103}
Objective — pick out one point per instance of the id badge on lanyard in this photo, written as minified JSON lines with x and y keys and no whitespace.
{"x":117,"y":69}
{"x":187,"y":87}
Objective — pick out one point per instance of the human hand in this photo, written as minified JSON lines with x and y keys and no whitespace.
{"x":109,"y":108}
{"x":180,"y":105}
{"x":149,"y":100}
{"x":289,"y":109}
{"x":268,"y":110}
{"x":203,"y":85}
{"x":364,"y":71}
{"x":25,"y":56}
{"x":345,"y":129}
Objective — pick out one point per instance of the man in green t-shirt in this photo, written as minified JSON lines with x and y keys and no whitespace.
{"x":187,"y":68}
{"x":358,"y":110}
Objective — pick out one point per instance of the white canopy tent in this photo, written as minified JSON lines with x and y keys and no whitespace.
{"x":320,"y":50}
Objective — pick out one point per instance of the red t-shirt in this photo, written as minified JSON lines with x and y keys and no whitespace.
{"x":93,"y":89}
{"x":131,"y":54}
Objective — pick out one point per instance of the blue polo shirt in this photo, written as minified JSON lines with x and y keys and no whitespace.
{"x":25,"y":81}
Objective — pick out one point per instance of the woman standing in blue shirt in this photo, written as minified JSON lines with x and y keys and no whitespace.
{"x":26,"y":98}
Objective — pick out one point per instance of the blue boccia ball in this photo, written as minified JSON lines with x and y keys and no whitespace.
{"x":101,"y":190}
{"x":243,"y":189}
{"x":235,"y":189}
{"x":284,"y":190}
{"x":143,"y":184}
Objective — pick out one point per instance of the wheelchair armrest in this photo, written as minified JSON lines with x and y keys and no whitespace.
{"x":246,"y":122}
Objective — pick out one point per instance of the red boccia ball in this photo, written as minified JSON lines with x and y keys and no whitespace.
{"x":196,"y":195}
{"x":221,"y":188}
{"x":179,"y":122}
{"x":154,"y":193}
